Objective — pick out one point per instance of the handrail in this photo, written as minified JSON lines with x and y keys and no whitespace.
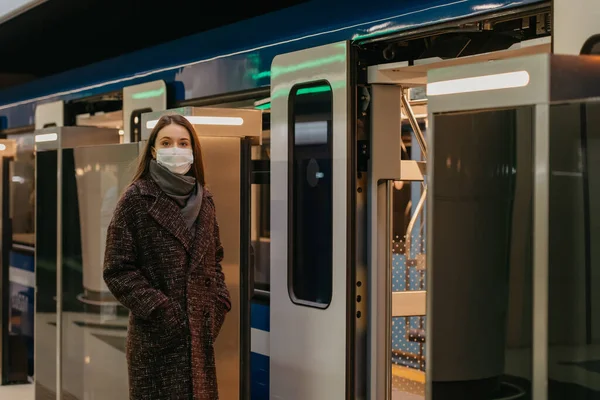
{"x":412,"y":222}
{"x":414,"y":124}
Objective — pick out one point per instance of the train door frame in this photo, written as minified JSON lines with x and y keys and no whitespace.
{"x":237,"y":129}
{"x":370,"y":102}
{"x":401,"y":76}
{"x":390,"y":105}
{"x":377,"y":107}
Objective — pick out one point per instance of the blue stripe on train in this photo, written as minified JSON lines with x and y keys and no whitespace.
{"x":259,"y":317}
{"x":259,"y":377}
{"x":259,"y":363}
{"x":22,"y":261}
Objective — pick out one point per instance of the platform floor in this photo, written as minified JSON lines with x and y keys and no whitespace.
{"x":16,"y":392}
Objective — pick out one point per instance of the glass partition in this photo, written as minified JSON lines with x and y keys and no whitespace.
{"x":45,"y":275}
{"x":22,"y":253}
{"x":22,"y":190}
{"x":574,"y":252}
{"x":94,"y":324}
{"x":93,"y":327}
{"x":481,"y":277}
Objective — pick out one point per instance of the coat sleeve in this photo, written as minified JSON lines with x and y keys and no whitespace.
{"x":223,"y":291}
{"x":121,"y":273}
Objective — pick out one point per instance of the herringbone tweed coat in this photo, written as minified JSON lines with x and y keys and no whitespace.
{"x":171,"y":281}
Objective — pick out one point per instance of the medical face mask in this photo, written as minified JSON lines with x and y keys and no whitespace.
{"x":176,"y":160}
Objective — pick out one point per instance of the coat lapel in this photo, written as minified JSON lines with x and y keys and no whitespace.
{"x":166,"y":212}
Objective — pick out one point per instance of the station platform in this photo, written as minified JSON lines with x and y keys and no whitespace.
{"x":17,"y":392}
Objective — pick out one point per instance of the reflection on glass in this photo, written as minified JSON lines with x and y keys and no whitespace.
{"x":482,"y":255}
{"x":574,"y":252}
{"x":21,"y":188}
{"x":94,"y":325}
{"x":311,"y":195}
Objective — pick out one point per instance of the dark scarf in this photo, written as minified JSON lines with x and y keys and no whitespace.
{"x":181,"y":188}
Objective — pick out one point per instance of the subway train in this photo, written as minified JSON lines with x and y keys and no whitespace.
{"x":359,"y":159}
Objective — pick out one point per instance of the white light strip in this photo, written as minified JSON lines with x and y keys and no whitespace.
{"x":195,"y":120}
{"x":46,"y":137}
{"x":261,"y":102}
{"x":479,"y":83}
{"x":222,"y":56}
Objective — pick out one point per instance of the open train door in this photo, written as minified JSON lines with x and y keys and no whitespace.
{"x":317,"y":316}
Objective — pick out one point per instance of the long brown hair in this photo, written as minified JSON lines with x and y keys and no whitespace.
{"x":144,"y":161}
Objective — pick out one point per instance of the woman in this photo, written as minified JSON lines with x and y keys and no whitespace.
{"x":162,"y":262}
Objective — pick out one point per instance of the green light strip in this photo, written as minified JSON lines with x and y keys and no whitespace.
{"x":266,"y":106}
{"x":260,"y":75}
{"x":318,"y":63}
{"x":310,"y":90}
{"x":316,"y":89}
{"x":148,"y":94}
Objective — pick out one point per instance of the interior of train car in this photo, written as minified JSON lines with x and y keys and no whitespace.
{"x":461,"y":156}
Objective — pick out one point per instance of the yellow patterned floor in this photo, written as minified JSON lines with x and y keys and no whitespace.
{"x":408,"y":380}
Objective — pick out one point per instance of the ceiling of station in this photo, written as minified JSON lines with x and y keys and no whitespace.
{"x":60,"y":35}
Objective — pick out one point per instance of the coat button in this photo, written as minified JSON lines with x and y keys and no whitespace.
{"x":206,"y":314}
{"x":207,"y":282}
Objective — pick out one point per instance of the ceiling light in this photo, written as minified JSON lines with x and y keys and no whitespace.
{"x":197,"y":120}
{"x":479,"y":83}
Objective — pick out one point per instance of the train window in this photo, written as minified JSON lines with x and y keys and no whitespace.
{"x":310,"y":195}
